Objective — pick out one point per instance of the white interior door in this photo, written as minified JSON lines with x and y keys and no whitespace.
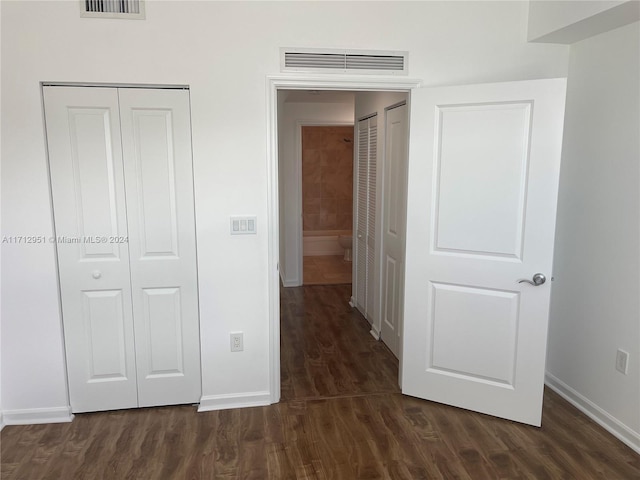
{"x":364,"y":243}
{"x":482,"y":188}
{"x":122,"y":184}
{"x":85,"y":156}
{"x":393,"y":226}
{"x":156,"y":138}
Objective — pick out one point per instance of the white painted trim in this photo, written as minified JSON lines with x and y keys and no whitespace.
{"x":233,"y":400}
{"x":31,"y":416}
{"x":611,"y":424}
{"x":290,"y":282}
{"x":273,"y":238}
{"x":375,"y":332}
{"x":355,"y":83}
{"x":298,"y":82}
{"x":1,"y":421}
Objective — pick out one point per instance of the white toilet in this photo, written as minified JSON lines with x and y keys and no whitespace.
{"x":346,"y":242}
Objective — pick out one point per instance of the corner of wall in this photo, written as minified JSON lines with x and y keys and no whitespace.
{"x":596,"y":233}
{"x":570,"y":22}
{"x":594,"y":412}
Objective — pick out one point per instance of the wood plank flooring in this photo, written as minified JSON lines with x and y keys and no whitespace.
{"x":341,"y":417}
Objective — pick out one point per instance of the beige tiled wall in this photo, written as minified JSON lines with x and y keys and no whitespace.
{"x":327,"y":178}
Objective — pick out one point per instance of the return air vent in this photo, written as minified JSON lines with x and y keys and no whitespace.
{"x":131,"y":9}
{"x":341,"y":61}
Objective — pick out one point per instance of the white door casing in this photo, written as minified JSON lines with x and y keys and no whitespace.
{"x":393,"y":226}
{"x":482,"y":188}
{"x":156,"y":139}
{"x":85,"y":157}
{"x":121,"y":170}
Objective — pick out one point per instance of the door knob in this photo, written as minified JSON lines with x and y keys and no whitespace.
{"x":96,"y":274}
{"x":538,"y":279}
{"x":359,"y":235}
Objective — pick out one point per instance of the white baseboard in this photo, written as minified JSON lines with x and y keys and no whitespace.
{"x":291,"y":282}
{"x":243,"y":400}
{"x":31,"y":416}
{"x":1,"y":422}
{"x":375,"y":332}
{"x":614,"y":426}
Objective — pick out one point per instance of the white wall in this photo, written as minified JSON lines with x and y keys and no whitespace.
{"x":1,"y":416}
{"x":366,"y":104}
{"x":595,"y":305}
{"x":202,"y":44}
{"x":292,"y":114}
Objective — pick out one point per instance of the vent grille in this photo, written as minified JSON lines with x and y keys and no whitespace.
{"x":133,"y":9}
{"x":344,"y":61}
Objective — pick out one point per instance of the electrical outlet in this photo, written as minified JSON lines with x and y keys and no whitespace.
{"x":237,"y":343}
{"x":622,"y":361}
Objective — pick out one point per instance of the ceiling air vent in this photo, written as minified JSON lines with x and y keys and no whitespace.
{"x":341,"y":61}
{"x":131,"y":9}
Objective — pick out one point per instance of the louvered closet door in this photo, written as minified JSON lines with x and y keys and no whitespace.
{"x":85,"y":156}
{"x":361,"y":214}
{"x":371,"y":214}
{"x":156,"y":137}
{"x":366,"y":215}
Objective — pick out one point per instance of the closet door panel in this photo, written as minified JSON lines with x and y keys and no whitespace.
{"x":365,"y":241}
{"x":372,"y":174}
{"x":85,"y":157}
{"x":362,"y":198}
{"x":159,"y":186}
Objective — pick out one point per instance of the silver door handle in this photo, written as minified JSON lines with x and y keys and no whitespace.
{"x":538,"y":279}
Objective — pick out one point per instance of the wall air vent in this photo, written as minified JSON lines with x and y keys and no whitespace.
{"x":344,"y":61}
{"x":131,"y":9}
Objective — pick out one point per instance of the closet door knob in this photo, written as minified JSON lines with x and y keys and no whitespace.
{"x":96,"y":274}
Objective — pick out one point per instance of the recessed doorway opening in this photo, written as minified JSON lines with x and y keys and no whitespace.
{"x":302,"y":114}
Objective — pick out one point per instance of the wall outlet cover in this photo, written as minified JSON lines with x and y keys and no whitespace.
{"x":237,"y":341}
{"x":622,"y":361}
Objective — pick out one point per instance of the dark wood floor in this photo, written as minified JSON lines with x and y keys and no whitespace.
{"x":341,"y":417}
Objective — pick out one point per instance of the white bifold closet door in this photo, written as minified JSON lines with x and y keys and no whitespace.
{"x":122,"y":186}
{"x":366,"y":216}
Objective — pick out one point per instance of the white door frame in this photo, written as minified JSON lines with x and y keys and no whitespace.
{"x":299,"y":82}
{"x":299,"y":199}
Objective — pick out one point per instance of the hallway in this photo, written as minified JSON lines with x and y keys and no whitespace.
{"x":341,"y":416}
{"x":326,"y":348}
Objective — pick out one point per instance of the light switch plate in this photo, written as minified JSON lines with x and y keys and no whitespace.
{"x":243,"y":225}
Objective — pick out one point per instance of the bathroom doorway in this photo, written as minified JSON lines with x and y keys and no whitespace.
{"x":311,"y":224}
{"x":327,"y":203}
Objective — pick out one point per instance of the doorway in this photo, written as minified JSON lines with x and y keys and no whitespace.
{"x":326,"y":153}
{"x":371,"y":102}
